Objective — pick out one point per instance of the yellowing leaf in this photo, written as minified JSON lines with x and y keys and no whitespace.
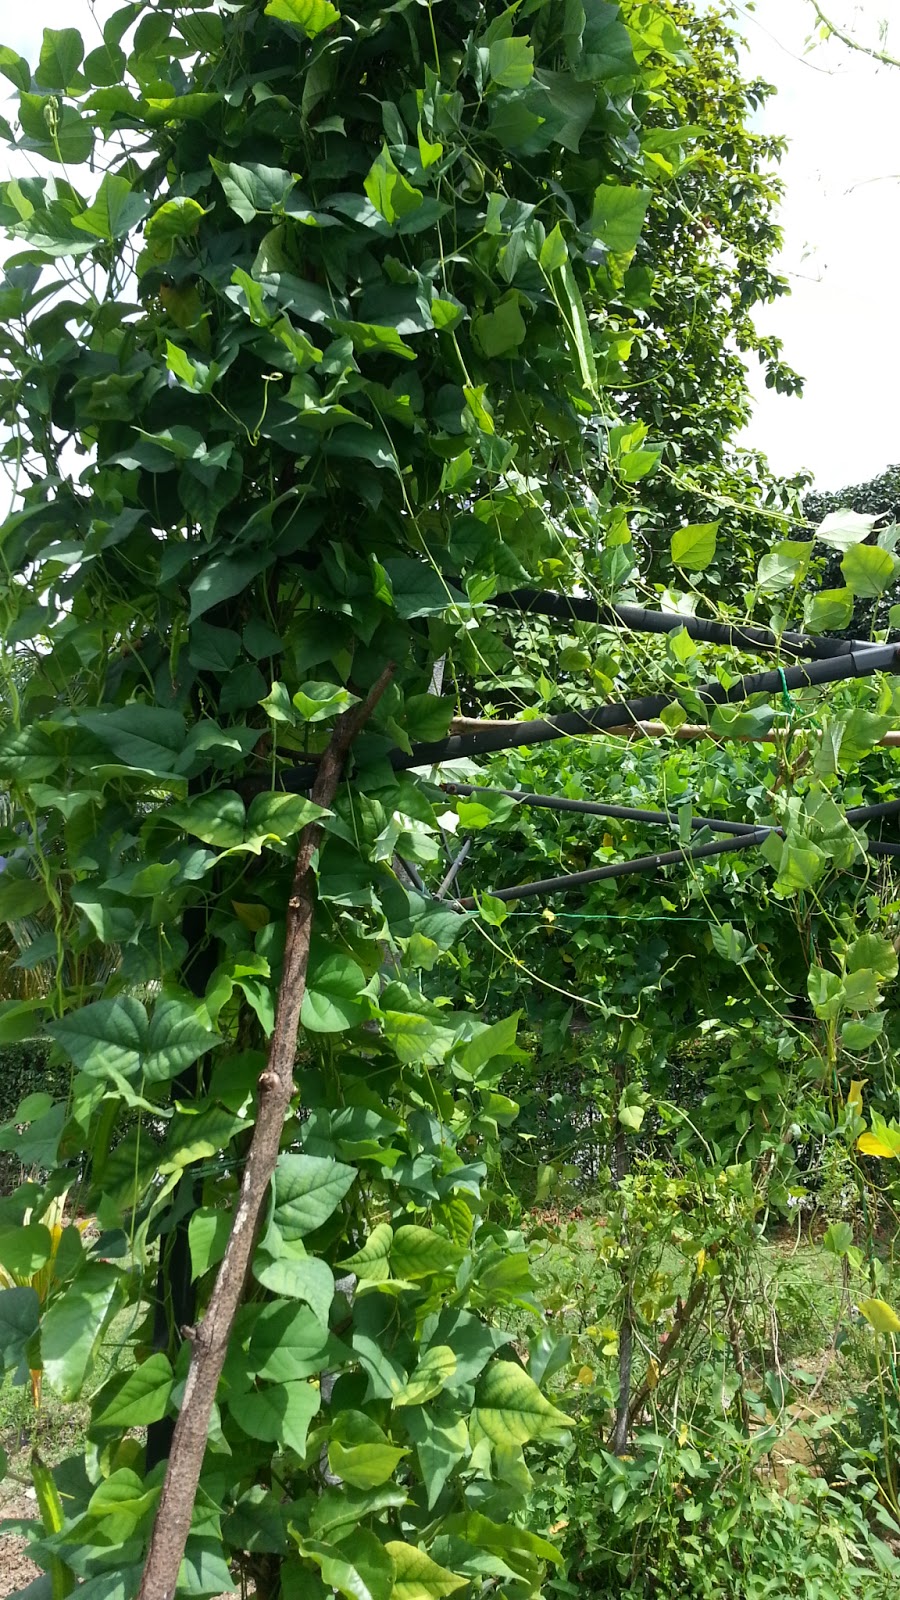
{"x":882,"y":1317}
{"x":855,"y":1096}
{"x":870,"y":1146}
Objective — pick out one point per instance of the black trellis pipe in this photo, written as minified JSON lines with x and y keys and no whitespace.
{"x":510,"y":735}
{"x":623,"y":869}
{"x":552,"y":802}
{"x":593,"y":808}
{"x":637,"y":619}
{"x":642,"y":864}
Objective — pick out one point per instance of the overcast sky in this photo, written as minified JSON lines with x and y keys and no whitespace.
{"x":841,"y":216}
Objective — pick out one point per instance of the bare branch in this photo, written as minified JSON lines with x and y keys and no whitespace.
{"x":850,"y":42}
{"x":275,"y":1088}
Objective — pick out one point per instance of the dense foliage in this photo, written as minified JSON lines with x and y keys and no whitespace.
{"x":322,"y":328}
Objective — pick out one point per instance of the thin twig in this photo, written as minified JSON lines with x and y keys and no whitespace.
{"x":209,"y":1339}
{"x":850,"y":42}
{"x":450,"y":879}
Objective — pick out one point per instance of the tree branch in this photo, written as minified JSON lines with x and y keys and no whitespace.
{"x":850,"y":42}
{"x":275,"y":1088}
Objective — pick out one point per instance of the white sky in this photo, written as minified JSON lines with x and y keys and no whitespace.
{"x":841,"y":326}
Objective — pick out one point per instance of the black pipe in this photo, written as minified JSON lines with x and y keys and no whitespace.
{"x":622,"y":869}
{"x":594,"y":809}
{"x":637,"y":619}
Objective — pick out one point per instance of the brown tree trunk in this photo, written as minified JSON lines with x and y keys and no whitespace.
{"x":275,"y":1089}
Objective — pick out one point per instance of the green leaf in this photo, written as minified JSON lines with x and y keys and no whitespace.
{"x":578,"y":333}
{"x":277,"y":1413}
{"x":371,"y":1264}
{"x":148,"y":738}
{"x":429,"y":1378}
{"x":554,"y":251}
{"x":392,"y":195}
{"x":208,"y":1232}
{"x":784,"y":567}
{"x":838,"y":1238}
{"x":73,"y":1327}
{"x":418,"y":1252}
{"x":62,"y":53}
{"x":868,"y":570}
{"x":19,"y":1316}
{"x":862,"y":1032}
{"x":359,"y":1451}
{"x":335,"y":996}
{"x":440,"y":1447}
{"x":115,"y":211}
{"x":113,"y":1038}
{"x":312,"y":17}
{"x":253,"y":189}
{"x":142,"y":1398}
{"x":298,"y":1278}
{"x":511,"y":62}
{"x":307,"y":1190}
{"x":216,"y":817}
{"x":289,"y":1342}
{"x":841,"y":529}
{"x":872,"y":950}
{"x":742,"y":722}
{"x":880,"y":1316}
{"x":317,"y":701}
{"x":694,"y":547}
{"x":174,"y":219}
{"x":417,"y":1577}
{"x":510,"y":1409}
{"x":24,"y":1250}
{"x":19,"y":897}
{"x":501,"y":331}
{"x":15,"y":68}
{"x":618,"y":216}
{"x":729,"y":942}
{"x":360,"y":1569}
{"x":342,"y":1508}
{"x":828,"y":611}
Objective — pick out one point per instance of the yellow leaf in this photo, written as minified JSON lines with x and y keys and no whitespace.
{"x":701,"y":1262}
{"x":652,"y":1373}
{"x":870,"y":1146}
{"x":880,"y":1316}
{"x":607,"y":841}
{"x":855,"y":1096}
{"x":584,"y":1375}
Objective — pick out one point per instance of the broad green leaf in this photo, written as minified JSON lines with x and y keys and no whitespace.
{"x":19,"y":1315}
{"x":578,"y":333}
{"x":784,"y":567}
{"x":418,"y":1252}
{"x":500,"y":332}
{"x":289,"y":1342}
{"x":828,"y":611}
{"x":62,"y":53}
{"x":15,"y":68}
{"x":281,"y":815}
{"x":860,"y":990}
{"x":208,"y":1232}
{"x":429,"y":1378}
{"x":24,"y":1250}
{"x":343,"y":1507}
{"x":695,"y":546}
{"x":316,"y":701}
{"x":148,"y":738}
{"x":417,"y":1577}
{"x":360,"y":1453}
{"x":216,"y":817}
{"x":19,"y":897}
{"x":298,"y":1278}
{"x":114,"y":1037}
{"x":882,"y":1317}
{"x":116,"y":210}
{"x":554,"y":251}
{"x":742,"y":722}
{"x":335,"y":995}
{"x":142,"y":1398}
{"x":174,"y":219}
{"x":252,"y":189}
{"x":838,"y":1238}
{"x":618,"y":216}
{"x":73,"y":1326}
{"x":510,"y":1409}
{"x":862,"y":1032}
{"x":307,"y":1190}
{"x":312,"y":17}
{"x":278,"y":1413}
{"x":371,"y":1264}
{"x":511,"y":62}
{"x":360,"y":1568}
{"x":841,"y":529}
{"x":488,"y":1044}
{"x":868,"y":570}
{"x":729,"y":942}
{"x":392,"y":195}
{"x":872,"y":950}
{"x":440,"y":1447}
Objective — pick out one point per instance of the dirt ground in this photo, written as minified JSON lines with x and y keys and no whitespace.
{"x":16,"y":1571}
